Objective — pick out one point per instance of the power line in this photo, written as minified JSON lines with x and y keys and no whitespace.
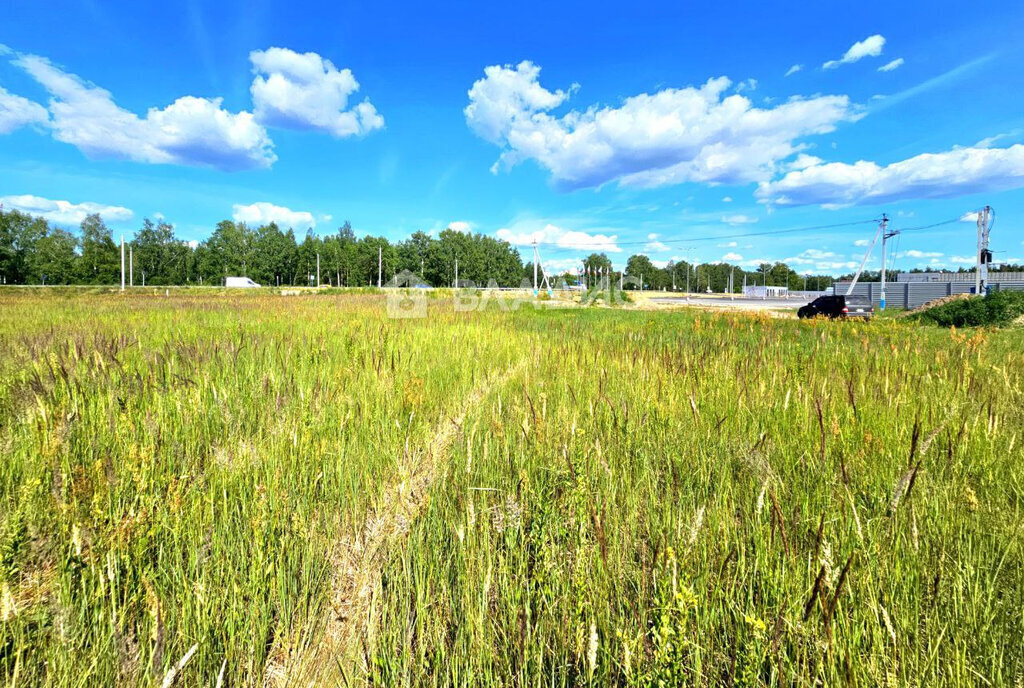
{"x":931,"y":226}
{"x":939,"y":224}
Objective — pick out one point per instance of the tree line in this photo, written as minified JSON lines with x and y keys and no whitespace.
{"x":32,"y":251}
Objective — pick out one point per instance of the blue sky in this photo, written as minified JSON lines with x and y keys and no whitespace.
{"x":627,"y":128}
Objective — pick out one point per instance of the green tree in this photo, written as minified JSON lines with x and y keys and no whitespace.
{"x":100,"y":262}
{"x":641,"y":267}
{"x":346,"y":255}
{"x":157,"y":254}
{"x":273,"y":255}
{"x":366,"y":269}
{"x":18,"y":234}
{"x":227,"y":252}
{"x":413,"y":253}
{"x":52,"y":260}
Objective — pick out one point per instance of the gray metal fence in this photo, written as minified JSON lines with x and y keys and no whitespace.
{"x":915,"y":294}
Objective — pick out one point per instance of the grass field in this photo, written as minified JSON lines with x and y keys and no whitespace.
{"x":296,"y":490}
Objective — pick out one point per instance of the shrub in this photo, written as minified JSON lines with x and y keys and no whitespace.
{"x":995,"y":309}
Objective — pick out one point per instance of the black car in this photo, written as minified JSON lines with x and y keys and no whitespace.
{"x":838,"y":307}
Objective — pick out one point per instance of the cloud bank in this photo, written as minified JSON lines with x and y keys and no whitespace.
{"x":561,"y":237}
{"x":189,"y":131}
{"x":17,"y":112}
{"x":692,"y":134}
{"x":64,"y":212}
{"x":953,"y":173}
{"x":307,"y":92}
{"x":290,"y":90}
{"x":262,"y":213}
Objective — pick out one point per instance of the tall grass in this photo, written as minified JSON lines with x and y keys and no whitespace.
{"x":627,"y":498}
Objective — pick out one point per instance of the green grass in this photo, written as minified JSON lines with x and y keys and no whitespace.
{"x":999,"y":308}
{"x":632,"y":498}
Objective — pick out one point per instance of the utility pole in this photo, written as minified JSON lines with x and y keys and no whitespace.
{"x":456,"y":273}
{"x":984,"y":255}
{"x":867,"y":254}
{"x":122,"y":262}
{"x":536,"y":255}
{"x":380,"y":265}
{"x":886,"y":235}
{"x":318,"y":269}
{"x":688,"y":266}
{"x":131,"y":267}
{"x":536,"y":267}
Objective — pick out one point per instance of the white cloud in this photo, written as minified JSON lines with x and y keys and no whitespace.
{"x":656,"y":247}
{"x":914,"y":253}
{"x":863,"y":243}
{"x":889,"y":66}
{"x":305,"y":91}
{"x":732,"y":256}
{"x":560,"y":266}
{"x":727,"y":199}
{"x":869,"y":47}
{"x":696,"y":134}
{"x":794,"y":69}
{"x":64,"y":212}
{"x":263,"y":213}
{"x":824,"y":261}
{"x":17,"y":112}
{"x":728,"y":244}
{"x":811,"y":256}
{"x":461,"y":226}
{"x":949,"y":174}
{"x":189,"y":131}
{"x":738,"y":219}
{"x":747,"y":85}
{"x":802,"y":162}
{"x":971,"y":217}
{"x":989,"y":141}
{"x":563,"y":238}
{"x":969,"y":260}
{"x":836,"y":265}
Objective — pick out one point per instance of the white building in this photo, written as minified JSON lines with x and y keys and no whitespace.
{"x":769,"y":292}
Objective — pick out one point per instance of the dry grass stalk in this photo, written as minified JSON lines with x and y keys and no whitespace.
{"x":358,"y":562}
{"x":174,"y":671}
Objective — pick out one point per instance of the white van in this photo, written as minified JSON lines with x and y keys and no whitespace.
{"x":239,"y":282}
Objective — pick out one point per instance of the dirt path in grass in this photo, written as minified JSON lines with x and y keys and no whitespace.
{"x":358,"y":561}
